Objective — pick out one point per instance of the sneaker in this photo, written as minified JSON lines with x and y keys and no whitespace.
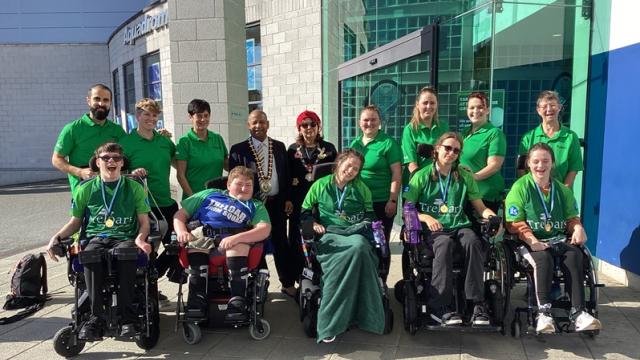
{"x":480,"y":316}
{"x":446,"y":317}
{"x":585,"y":321}
{"x":235,"y":309}
{"x":162,"y":297}
{"x":91,"y":330}
{"x":544,"y":321}
{"x":128,"y":330}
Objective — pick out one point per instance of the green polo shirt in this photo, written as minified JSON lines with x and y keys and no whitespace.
{"x":523,"y":204}
{"x":486,"y":141}
{"x":79,"y":139}
{"x":566,"y":149}
{"x":194,"y":202}
{"x":379,"y":154}
{"x":205,"y":159}
{"x":324,"y":193}
{"x":425,"y":192}
{"x":412,"y":137}
{"x":154,"y":156}
{"x":130,"y":201}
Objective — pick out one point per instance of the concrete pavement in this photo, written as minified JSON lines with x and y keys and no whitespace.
{"x":30,"y":339}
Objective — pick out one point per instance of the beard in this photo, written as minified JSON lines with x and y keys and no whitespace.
{"x":99,"y":112}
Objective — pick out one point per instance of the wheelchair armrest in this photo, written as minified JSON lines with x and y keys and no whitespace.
{"x":90,"y":256}
{"x":124,"y":254}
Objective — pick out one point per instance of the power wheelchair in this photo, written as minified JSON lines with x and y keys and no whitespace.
{"x":145,"y":294}
{"x":217,"y":287}
{"x":309,"y":293}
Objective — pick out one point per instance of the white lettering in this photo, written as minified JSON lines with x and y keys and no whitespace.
{"x":145,"y":26}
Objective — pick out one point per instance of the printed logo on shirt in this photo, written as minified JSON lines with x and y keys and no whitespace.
{"x":513,"y":210}
{"x":228,"y":211}
{"x":117,"y":220}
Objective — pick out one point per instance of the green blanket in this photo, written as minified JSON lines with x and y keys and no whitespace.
{"x":351,"y":294}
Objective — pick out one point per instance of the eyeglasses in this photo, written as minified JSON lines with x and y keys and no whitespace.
{"x":448,"y":148}
{"x":308,"y":125}
{"x":106,"y":158}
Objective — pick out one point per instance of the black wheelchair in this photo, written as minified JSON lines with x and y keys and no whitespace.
{"x":145,"y":300}
{"x":413,"y":290}
{"x":524,"y":319}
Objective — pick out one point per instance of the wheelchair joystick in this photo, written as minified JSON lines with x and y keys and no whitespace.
{"x":412,"y":223}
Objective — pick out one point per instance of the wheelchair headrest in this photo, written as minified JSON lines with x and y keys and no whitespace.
{"x":425,"y":150}
{"x":521,"y":162}
{"x":322,"y":170}
{"x":217,"y":183}
{"x":94,"y":167}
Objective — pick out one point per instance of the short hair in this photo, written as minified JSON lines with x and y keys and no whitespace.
{"x":548,"y":95}
{"x":150,"y":105}
{"x":109,"y":147}
{"x":197,"y":106}
{"x":101,"y":87}
{"x":373,"y":108}
{"x":258,"y":111}
{"x":479,"y":95}
{"x":345,"y":155}
{"x":239,"y":171}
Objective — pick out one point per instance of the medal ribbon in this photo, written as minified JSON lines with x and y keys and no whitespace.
{"x":113,"y":199}
{"x":444,"y":190}
{"x":340,"y":196}
{"x":547,"y":211}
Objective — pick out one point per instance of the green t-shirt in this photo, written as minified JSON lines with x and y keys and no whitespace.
{"x":566,"y":149}
{"x":412,"y":137}
{"x":205,"y":159}
{"x":324,"y":193}
{"x":79,"y":139}
{"x":154,"y":156}
{"x":130,"y":201}
{"x":478,"y":146}
{"x":379,"y":154}
{"x":425,"y":193}
{"x":523,"y":203}
{"x":229,"y":206}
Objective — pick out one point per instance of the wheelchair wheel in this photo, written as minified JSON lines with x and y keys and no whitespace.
{"x":388,"y":320}
{"x":148,"y":342}
{"x":410,"y":308}
{"x":191,"y":333}
{"x":62,"y":342}
{"x":256,"y":334}
{"x":398,"y":291}
{"x":310,"y":323}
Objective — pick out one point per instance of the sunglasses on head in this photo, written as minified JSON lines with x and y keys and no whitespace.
{"x":448,"y":148}
{"x":308,"y":125}
{"x":106,"y":158}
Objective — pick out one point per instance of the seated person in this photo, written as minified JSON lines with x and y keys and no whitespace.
{"x":441,"y":190}
{"x":350,"y":291}
{"x":540,"y":208}
{"x":246,"y":221}
{"x":117,"y":209}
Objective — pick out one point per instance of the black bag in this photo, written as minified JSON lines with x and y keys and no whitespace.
{"x":28,"y":287}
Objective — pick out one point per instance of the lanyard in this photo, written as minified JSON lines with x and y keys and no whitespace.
{"x":113,"y":199}
{"x":340,"y":196}
{"x":444,"y":190}
{"x":547,"y":211}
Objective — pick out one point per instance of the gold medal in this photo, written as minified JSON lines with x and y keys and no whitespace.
{"x":444,"y":209}
{"x":309,"y":177}
{"x":548,"y":227}
{"x":109,"y":222}
{"x":343,"y":215}
{"x":265,"y":186}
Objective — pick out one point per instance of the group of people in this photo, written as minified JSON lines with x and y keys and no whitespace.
{"x":269,"y":185}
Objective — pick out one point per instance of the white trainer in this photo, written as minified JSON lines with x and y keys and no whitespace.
{"x":585,"y":322}
{"x":544,"y":324}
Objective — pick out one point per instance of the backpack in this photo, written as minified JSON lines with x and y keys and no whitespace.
{"x":28,"y":279}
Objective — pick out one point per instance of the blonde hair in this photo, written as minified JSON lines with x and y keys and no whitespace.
{"x":239,"y":171}
{"x":415,"y":117}
{"x":149,"y":105}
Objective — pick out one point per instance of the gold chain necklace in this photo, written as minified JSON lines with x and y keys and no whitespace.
{"x":265,"y":181}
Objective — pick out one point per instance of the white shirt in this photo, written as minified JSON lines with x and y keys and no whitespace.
{"x":262,"y":149}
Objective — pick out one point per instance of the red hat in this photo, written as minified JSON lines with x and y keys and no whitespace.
{"x":308,"y":114}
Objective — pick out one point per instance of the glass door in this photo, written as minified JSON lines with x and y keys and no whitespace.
{"x":388,"y":77}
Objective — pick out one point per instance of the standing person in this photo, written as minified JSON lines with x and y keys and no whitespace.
{"x":201,"y":154}
{"x":441,"y":191}
{"x":540,"y":208}
{"x":117,"y":210}
{"x":484,"y":149}
{"x":151,"y":155}
{"x":308,"y":150}
{"x":79,"y":139}
{"x":424,"y":128}
{"x":563,"y":141}
{"x":268,"y":159}
{"x":381,"y":171}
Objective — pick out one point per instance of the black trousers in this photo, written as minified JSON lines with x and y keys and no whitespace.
{"x":164,"y":261}
{"x":571,"y":258}
{"x":94,"y":278}
{"x":473,"y":249}
{"x":284,"y":252}
{"x":297,"y":257}
{"x":378,"y":209}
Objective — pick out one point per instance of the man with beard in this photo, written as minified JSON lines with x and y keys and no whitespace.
{"x":79,"y":139}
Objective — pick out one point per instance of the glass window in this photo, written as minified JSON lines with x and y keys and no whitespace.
{"x":117,"y":117}
{"x":129,"y":95}
{"x":153,"y":81}
{"x":254,"y":66}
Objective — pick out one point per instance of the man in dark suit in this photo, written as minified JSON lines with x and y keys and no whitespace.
{"x":268,"y":159}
